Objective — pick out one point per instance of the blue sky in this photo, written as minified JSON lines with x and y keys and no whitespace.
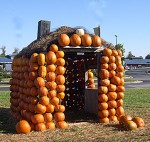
{"x":129,"y":19}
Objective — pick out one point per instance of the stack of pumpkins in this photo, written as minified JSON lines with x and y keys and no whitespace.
{"x":90,"y":80}
{"x":37,"y":85}
{"x":111,"y":86}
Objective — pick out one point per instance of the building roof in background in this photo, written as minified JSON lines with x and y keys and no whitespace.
{"x":138,"y":62}
{"x":5,"y":60}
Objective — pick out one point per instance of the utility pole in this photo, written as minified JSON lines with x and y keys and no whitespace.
{"x":116,"y":39}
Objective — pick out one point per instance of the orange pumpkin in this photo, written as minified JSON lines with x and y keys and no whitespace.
{"x":44,"y":100}
{"x":114,"y":119}
{"x":34,"y":57}
{"x":112,"y":111}
{"x":42,"y":71}
{"x":40,"y":127}
{"x":112,"y":104}
{"x":50,"y":68}
{"x":112,"y":73}
{"x":51,"y":58}
{"x":115,"y":80}
{"x":121,"y":82}
{"x":61,"y":95}
{"x":33,"y":91}
{"x":107,"y":52}
{"x":102,"y":106}
{"x":37,"y":118}
{"x":103,"y":113}
{"x":51,"y":94}
{"x":54,"y":48}
{"x":105,"y":82}
{"x":120,"y":95}
{"x":59,"y":116}
{"x":34,"y":66}
{"x":119,"y":111}
{"x":60,"y":70}
{"x":60,"y":62}
{"x":118,"y":60}
{"x":120,"y":102}
{"x":90,"y":81}
{"x":42,"y":91}
{"x":123,"y":119}
{"x":33,"y":75}
{"x":139,"y":121}
{"x":104,"y":60}
{"x":60,"y":108}
{"x":60,"y":54}
{"x":60,"y":79}
{"x":104,"y":74}
{"x":41,"y":59}
{"x":96,"y":41}
{"x":54,"y":101}
{"x":120,"y":89}
{"x":51,"y":85}
{"x":119,"y":53}
{"x":112,"y":59}
{"x":112,"y":96}
{"x":102,"y":89}
{"x":63,"y":40}
{"x":90,"y":74}
{"x":61,"y":125}
{"x":119,"y":74}
{"x":48,"y":117}
{"x":104,"y":120}
{"x":75,"y":40}
{"x":86,"y":40}
{"x":114,"y":52}
{"x":23,"y":127}
{"x":50,"y":76}
{"x":130,"y":125}
{"x":50,"y":125}
{"x":60,"y":88}
{"x":120,"y":68}
{"x":39,"y":82}
{"x":39,"y":108}
{"x":50,"y":108}
{"x":112,"y":66}
{"x":112,"y":88}
{"x":104,"y":66}
{"x":102,"y":98}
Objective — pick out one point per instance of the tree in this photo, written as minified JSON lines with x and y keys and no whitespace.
{"x":3,"y":49}
{"x":120,"y":47}
{"x":130,"y":55}
{"x":147,"y":56}
{"x":16,"y":50}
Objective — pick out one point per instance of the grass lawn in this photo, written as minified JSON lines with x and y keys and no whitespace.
{"x":136,"y":103}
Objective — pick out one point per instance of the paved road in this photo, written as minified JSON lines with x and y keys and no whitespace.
{"x":4,"y":88}
{"x":141,"y":75}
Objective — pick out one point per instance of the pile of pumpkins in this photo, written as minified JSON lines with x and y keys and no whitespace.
{"x":111,"y":86}
{"x":38,"y":84}
{"x":90,"y":80}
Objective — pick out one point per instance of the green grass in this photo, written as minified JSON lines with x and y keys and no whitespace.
{"x":136,"y":103}
{"x":4,"y":98}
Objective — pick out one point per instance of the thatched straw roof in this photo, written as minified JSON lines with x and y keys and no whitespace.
{"x":42,"y":44}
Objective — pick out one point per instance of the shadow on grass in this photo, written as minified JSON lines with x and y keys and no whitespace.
{"x":7,"y":123}
{"x":80,"y":116}
{"x":116,"y":127}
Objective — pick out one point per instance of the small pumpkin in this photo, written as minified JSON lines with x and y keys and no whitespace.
{"x":103,"y":113}
{"x":102,"y":98}
{"x":51,"y":58}
{"x":34,"y":57}
{"x":54,"y":101}
{"x":60,"y":54}
{"x":39,"y":108}
{"x":51,"y":85}
{"x":115,"y":80}
{"x":112,"y":104}
{"x":112,"y":96}
{"x":130,"y":125}
{"x":112,"y":111}
{"x":44,"y":100}
{"x":102,"y":106}
{"x":50,"y":108}
{"x":114,"y":52}
{"x":50,"y":68}
{"x":102,"y":89}
{"x":39,"y":82}
{"x":104,"y":74}
{"x":107,"y":52}
{"x":53,"y":48}
{"x":61,"y":125}
{"x":139,"y":121}
{"x":51,"y":94}
{"x":112,"y":88}
{"x":50,"y":125}
{"x":60,"y":79}
{"x":42,"y":91}
{"x":50,"y":76}
{"x":61,"y":95}
{"x":42,"y":71}
{"x":48,"y":117}
{"x":41,"y":59}
{"x":60,"y":88}
{"x":60,"y":108}
{"x":40,"y":127}
{"x":60,"y":62}
{"x":59,"y":116}
{"x":104,"y":60}
{"x":104,"y":120}
{"x":60,"y":70}
{"x":37,"y":118}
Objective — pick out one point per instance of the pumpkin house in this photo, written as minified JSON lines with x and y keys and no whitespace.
{"x":49,"y":78}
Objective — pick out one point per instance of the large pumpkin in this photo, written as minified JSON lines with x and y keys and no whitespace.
{"x":23,"y":127}
{"x":96,"y":41}
{"x":86,"y":40}
{"x":63,"y":40}
{"x":75,"y":40}
{"x":139,"y":121}
{"x":51,"y":57}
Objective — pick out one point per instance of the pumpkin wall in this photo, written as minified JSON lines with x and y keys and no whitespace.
{"x":111,"y":86}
